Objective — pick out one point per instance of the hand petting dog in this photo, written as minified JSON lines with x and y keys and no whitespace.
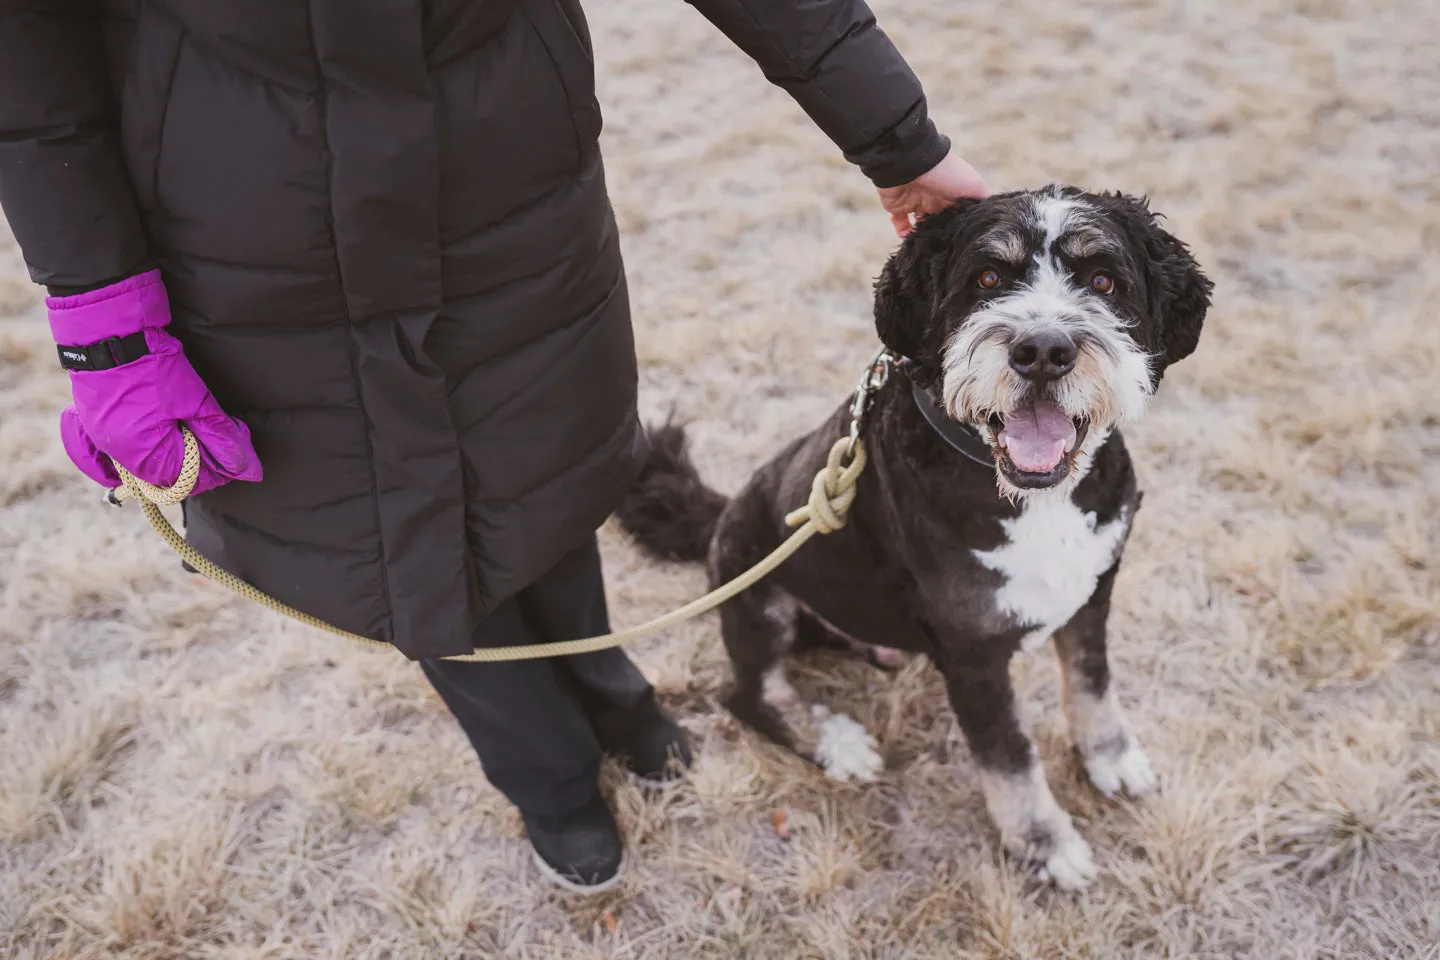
{"x":950,"y":180}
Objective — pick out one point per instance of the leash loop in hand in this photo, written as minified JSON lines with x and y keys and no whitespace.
{"x":132,"y":487}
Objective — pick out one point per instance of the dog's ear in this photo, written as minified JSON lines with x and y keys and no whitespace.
{"x":910,"y":288}
{"x":904,"y":298}
{"x":1179,"y":292}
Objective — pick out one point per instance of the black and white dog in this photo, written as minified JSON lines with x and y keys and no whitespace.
{"x":997,"y":500}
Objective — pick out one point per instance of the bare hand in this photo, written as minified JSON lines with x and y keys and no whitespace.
{"x":948,"y":181}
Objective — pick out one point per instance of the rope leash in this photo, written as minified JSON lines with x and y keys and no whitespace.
{"x":831,"y":496}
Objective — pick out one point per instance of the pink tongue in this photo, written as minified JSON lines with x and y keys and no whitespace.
{"x":1036,"y":436}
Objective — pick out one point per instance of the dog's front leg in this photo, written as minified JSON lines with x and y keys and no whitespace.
{"x":1112,"y":757}
{"x":1032,"y":825}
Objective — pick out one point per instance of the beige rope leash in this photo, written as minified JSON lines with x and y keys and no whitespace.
{"x":831,"y":496}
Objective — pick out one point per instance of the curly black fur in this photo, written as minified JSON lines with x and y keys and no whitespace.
{"x":1179,"y":291}
{"x":670,"y":511}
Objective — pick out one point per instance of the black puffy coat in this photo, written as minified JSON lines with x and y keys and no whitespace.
{"x":385,"y":232}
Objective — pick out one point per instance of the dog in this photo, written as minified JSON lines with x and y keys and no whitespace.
{"x":1027,"y":328}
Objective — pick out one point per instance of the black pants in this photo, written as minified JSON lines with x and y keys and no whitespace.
{"x":540,"y":726}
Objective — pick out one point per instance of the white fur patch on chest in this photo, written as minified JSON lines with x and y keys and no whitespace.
{"x":1055,"y":556}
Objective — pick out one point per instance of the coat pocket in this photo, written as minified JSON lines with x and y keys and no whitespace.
{"x":561,"y":26}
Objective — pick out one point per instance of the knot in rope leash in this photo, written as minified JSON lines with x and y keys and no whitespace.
{"x":831,"y":496}
{"x":833,"y":492}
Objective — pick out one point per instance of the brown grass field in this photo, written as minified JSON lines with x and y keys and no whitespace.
{"x":182,"y":775}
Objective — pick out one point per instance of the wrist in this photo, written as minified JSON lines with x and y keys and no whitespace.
{"x":912,"y":148}
{"x":929,"y":148}
{"x":116,"y":311}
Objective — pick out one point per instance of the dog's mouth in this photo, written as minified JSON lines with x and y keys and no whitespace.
{"x":1035,"y":444}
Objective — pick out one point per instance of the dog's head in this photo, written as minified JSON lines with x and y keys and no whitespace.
{"x":1046,"y":319}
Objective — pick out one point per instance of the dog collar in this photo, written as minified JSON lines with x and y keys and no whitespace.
{"x":960,"y":436}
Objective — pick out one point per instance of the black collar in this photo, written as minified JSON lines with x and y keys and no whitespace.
{"x":960,"y":436}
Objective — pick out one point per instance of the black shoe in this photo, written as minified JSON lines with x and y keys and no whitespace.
{"x":581,"y":851}
{"x":656,"y":753}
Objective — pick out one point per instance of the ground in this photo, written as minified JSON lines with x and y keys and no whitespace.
{"x":183,"y":775}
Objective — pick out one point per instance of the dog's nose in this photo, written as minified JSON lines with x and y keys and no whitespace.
{"x":1042,"y":357}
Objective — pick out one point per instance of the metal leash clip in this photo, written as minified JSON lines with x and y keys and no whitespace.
{"x":876,"y":376}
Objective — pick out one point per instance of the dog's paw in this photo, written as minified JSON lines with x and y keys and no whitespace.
{"x":846,"y":750}
{"x":1072,"y":865}
{"x":1129,"y":771}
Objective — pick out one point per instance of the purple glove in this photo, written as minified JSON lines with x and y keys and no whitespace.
{"x":133,"y":411}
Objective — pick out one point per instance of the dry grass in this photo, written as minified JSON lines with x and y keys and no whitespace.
{"x":183,"y":776}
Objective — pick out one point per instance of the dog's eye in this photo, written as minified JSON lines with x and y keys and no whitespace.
{"x":990,"y":279}
{"x":1102,"y":283}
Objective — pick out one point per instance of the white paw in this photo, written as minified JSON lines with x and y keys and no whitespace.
{"x":846,"y":750}
{"x":1072,"y":865}
{"x":1130,"y":771}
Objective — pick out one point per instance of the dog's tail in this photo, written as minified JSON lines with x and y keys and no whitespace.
{"x":670,"y":511}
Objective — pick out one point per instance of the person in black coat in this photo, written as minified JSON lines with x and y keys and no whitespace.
{"x":289,"y":227}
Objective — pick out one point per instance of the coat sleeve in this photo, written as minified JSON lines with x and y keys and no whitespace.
{"x":63,"y":185}
{"x":846,"y":75}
